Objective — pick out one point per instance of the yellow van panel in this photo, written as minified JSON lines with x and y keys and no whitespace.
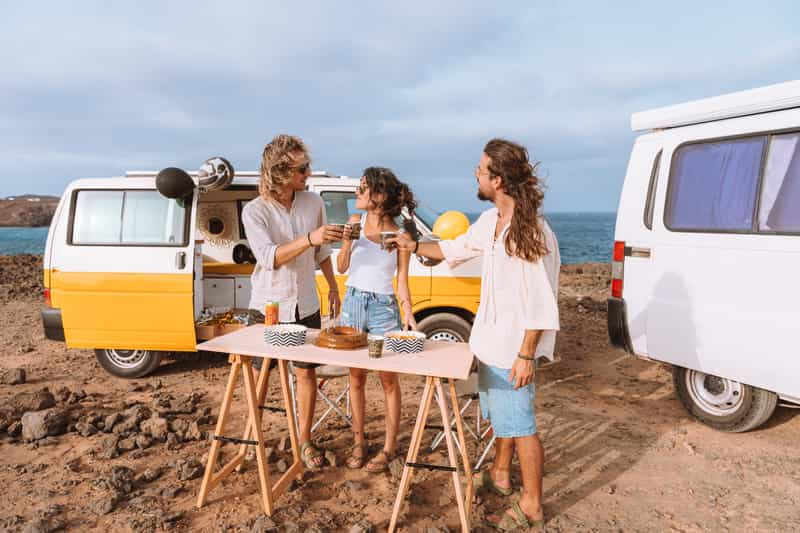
{"x":46,"y":274}
{"x":125,"y":310}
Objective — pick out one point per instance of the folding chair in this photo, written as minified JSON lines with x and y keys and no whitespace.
{"x":468,"y":391}
{"x":325,"y":374}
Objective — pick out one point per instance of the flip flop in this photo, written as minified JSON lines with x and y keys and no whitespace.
{"x":486,"y":482}
{"x":308,"y":458}
{"x":519,"y":522}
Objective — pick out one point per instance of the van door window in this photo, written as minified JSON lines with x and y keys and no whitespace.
{"x":779,"y":208}
{"x":651,"y":193}
{"x":137,"y":217}
{"x":712,"y":186}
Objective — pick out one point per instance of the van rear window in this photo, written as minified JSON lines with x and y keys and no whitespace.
{"x":713,"y":186}
{"x":127,"y":217}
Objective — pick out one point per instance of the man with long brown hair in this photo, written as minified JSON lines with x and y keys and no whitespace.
{"x":517,"y":317}
{"x":287,"y":231}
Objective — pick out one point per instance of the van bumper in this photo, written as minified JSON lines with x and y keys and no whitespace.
{"x":53,"y":327}
{"x":618,"y":331}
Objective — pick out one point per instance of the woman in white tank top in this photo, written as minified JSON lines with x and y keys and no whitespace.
{"x":370,"y":303}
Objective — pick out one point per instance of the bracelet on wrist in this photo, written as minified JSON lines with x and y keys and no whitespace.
{"x":416,"y":247}
{"x":308,"y":236}
{"x":526,"y":357}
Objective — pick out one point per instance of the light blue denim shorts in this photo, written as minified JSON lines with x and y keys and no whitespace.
{"x":370,"y":311}
{"x":510,"y":411}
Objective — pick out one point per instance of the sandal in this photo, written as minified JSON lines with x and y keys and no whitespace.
{"x":357,"y":461}
{"x":308,"y":457}
{"x":380,"y":463}
{"x":520,"y":522}
{"x":485,"y":481}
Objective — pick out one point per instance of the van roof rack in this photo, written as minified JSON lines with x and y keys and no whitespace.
{"x":739,"y":104}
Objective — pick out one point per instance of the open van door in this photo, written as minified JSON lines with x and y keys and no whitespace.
{"x":122,"y":272}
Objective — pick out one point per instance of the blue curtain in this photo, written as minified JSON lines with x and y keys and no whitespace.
{"x":713,"y":185}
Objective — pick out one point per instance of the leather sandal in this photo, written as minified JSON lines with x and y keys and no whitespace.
{"x":355,"y":460}
{"x":519,"y":522}
{"x":309,"y":452}
{"x":380,"y":463}
{"x":485,"y":481}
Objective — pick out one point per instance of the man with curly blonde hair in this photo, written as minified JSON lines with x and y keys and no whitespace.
{"x":287,"y":231}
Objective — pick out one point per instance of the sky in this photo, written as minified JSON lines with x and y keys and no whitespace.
{"x":92,"y":89}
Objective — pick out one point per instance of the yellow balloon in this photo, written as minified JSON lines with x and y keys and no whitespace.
{"x":450,"y":225}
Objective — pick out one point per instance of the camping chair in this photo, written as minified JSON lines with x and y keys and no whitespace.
{"x":325,"y":374}
{"x":468,"y":391}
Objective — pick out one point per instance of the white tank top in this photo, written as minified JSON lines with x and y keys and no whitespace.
{"x":371,"y":269}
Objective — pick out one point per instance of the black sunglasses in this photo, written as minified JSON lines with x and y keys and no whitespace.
{"x":304,"y":167}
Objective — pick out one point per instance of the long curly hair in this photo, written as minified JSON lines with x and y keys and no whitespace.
{"x":397,"y":194}
{"x":278,"y":163}
{"x":510,"y":162}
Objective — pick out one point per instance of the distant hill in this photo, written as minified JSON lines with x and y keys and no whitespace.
{"x":27,"y":210}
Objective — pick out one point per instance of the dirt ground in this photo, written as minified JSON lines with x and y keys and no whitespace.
{"x":621,"y":452}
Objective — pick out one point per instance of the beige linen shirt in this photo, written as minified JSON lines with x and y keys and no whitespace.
{"x":268,"y":224}
{"x":516,"y":295}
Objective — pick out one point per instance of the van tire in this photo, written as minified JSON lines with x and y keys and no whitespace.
{"x":445,"y":327}
{"x":128,"y":364}
{"x":752,"y":408}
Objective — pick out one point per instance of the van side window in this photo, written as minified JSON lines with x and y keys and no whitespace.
{"x":339,"y":205}
{"x":713,"y":185}
{"x":779,"y":206}
{"x":651,"y":192}
{"x":136,"y":217}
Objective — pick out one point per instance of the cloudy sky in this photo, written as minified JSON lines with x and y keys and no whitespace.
{"x":93,"y":89}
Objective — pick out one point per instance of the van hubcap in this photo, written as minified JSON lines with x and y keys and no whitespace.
{"x":446,"y":336}
{"x":126,"y":358}
{"x":718,"y":396}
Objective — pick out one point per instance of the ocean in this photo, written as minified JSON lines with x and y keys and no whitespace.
{"x":582,"y":237}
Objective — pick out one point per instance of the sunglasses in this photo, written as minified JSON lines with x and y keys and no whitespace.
{"x":362,"y":188}
{"x":303,"y":168}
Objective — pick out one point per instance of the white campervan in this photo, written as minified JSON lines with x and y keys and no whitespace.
{"x":706,"y":265}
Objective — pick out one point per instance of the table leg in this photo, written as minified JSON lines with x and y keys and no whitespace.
{"x":288,"y":402}
{"x":261,"y":392}
{"x":451,"y":452}
{"x":462,"y":440}
{"x":215,"y":444}
{"x":413,"y":449}
{"x":255,"y":423}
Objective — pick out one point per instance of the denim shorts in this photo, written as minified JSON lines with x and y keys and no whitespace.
{"x":510,"y":411}
{"x":370,"y":311}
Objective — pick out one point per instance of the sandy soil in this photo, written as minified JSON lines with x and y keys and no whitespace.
{"x":622,"y":453}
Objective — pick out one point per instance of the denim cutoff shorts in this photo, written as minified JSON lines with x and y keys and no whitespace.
{"x":370,"y":311}
{"x":510,"y":411}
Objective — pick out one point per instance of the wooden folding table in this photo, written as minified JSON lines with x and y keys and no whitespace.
{"x":439,"y":360}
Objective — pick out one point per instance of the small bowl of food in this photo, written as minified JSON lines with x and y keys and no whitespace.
{"x":404,"y":341}
{"x":285,"y":335}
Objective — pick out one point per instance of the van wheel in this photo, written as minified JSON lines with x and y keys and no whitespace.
{"x":128,"y":363}
{"x":721,"y":403}
{"x":445,"y":327}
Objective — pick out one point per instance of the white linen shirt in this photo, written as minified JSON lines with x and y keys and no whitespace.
{"x":268,"y":224}
{"x":516,"y":295}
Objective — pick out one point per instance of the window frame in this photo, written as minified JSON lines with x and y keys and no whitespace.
{"x":769,"y":134}
{"x":650,"y":202}
{"x":71,"y":225}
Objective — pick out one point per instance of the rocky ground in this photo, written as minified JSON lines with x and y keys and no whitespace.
{"x":83,"y":451}
{"x":21,"y":212}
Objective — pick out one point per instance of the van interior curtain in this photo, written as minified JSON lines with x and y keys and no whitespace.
{"x":714,"y":185}
{"x":780,"y":192}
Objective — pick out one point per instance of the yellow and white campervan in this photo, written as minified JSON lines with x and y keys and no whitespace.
{"x":129,"y":271}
